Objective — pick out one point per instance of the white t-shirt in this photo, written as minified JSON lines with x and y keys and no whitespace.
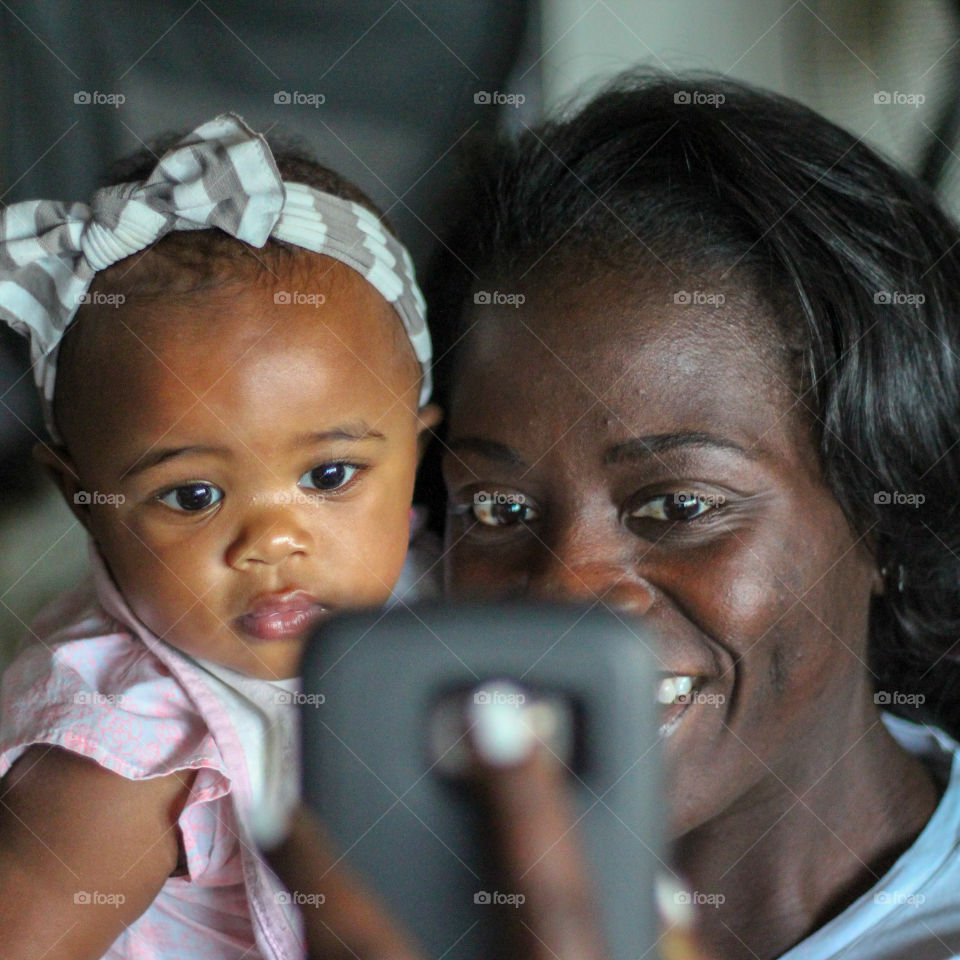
{"x":913,"y":912}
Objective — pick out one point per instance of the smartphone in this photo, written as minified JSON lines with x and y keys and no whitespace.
{"x":382,"y":699}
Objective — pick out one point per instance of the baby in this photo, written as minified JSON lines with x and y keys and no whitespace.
{"x":236,"y":421}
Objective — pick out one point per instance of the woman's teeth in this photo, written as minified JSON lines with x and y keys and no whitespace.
{"x":674,"y":690}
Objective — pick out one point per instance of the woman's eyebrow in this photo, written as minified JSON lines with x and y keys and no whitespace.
{"x":489,"y":449}
{"x":640,"y":448}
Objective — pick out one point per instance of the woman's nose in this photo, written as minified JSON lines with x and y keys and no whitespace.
{"x":269,"y":535}
{"x":583,"y":566}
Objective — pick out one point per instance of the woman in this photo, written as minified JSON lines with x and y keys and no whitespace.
{"x":713,"y":351}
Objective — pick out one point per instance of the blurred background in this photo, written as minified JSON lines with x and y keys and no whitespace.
{"x":387,"y":92}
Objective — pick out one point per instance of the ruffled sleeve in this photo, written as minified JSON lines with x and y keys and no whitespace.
{"x":107,"y":697}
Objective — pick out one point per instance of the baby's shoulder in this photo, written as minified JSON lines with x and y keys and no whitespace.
{"x":87,"y":684}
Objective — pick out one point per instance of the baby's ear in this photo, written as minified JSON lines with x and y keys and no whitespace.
{"x":428,"y":418}
{"x":58,"y":464}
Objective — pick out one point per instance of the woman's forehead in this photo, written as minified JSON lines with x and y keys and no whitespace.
{"x":624,"y":360}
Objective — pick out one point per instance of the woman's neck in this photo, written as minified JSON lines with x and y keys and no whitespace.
{"x":786,"y":861}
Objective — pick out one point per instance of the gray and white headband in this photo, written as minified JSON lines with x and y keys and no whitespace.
{"x":220,"y":175}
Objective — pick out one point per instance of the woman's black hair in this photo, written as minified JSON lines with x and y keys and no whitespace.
{"x":861,"y":268}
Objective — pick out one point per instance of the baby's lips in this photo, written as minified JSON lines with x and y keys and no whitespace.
{"x":282,"y":615}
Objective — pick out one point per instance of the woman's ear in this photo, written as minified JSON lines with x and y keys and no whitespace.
{"x":428,"y":418}
{"x":58,"y":464}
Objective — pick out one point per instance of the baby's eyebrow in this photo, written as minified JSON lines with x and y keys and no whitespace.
{"x":351,"y":431}
{"x":154,"y":457}
{"x":640,"y":448}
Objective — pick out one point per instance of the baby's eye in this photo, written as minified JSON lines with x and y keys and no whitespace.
{"x":494,"y":511}
{"x":675,"y":507}
{"x":192,"y":497}
{"x":329,"y":476}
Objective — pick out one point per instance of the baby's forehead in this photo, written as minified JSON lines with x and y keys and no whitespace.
{"x":148,"y":345}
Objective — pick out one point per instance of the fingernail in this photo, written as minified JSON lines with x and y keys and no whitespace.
{"x":498,"y":724}
{"x":673,"y":901}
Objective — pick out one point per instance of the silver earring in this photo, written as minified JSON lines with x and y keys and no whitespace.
{"x":901,"y":573}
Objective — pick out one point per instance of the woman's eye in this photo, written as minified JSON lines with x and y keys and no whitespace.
{"x":192,"y":497}
{"x":675,"y":507}
{"x":499,"y":511}
{"x":329,"y":476}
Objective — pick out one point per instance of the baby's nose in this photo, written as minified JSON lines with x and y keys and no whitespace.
{"x":269,"y":534}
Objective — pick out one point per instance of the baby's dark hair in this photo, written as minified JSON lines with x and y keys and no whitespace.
{"x":857,"y":261}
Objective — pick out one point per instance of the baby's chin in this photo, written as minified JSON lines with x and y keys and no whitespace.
{"x":262,"y":659}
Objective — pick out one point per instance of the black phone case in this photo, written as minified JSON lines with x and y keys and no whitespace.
{"x":371,"y":683}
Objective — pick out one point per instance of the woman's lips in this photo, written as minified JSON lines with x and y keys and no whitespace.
{"x":281,"y":616}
